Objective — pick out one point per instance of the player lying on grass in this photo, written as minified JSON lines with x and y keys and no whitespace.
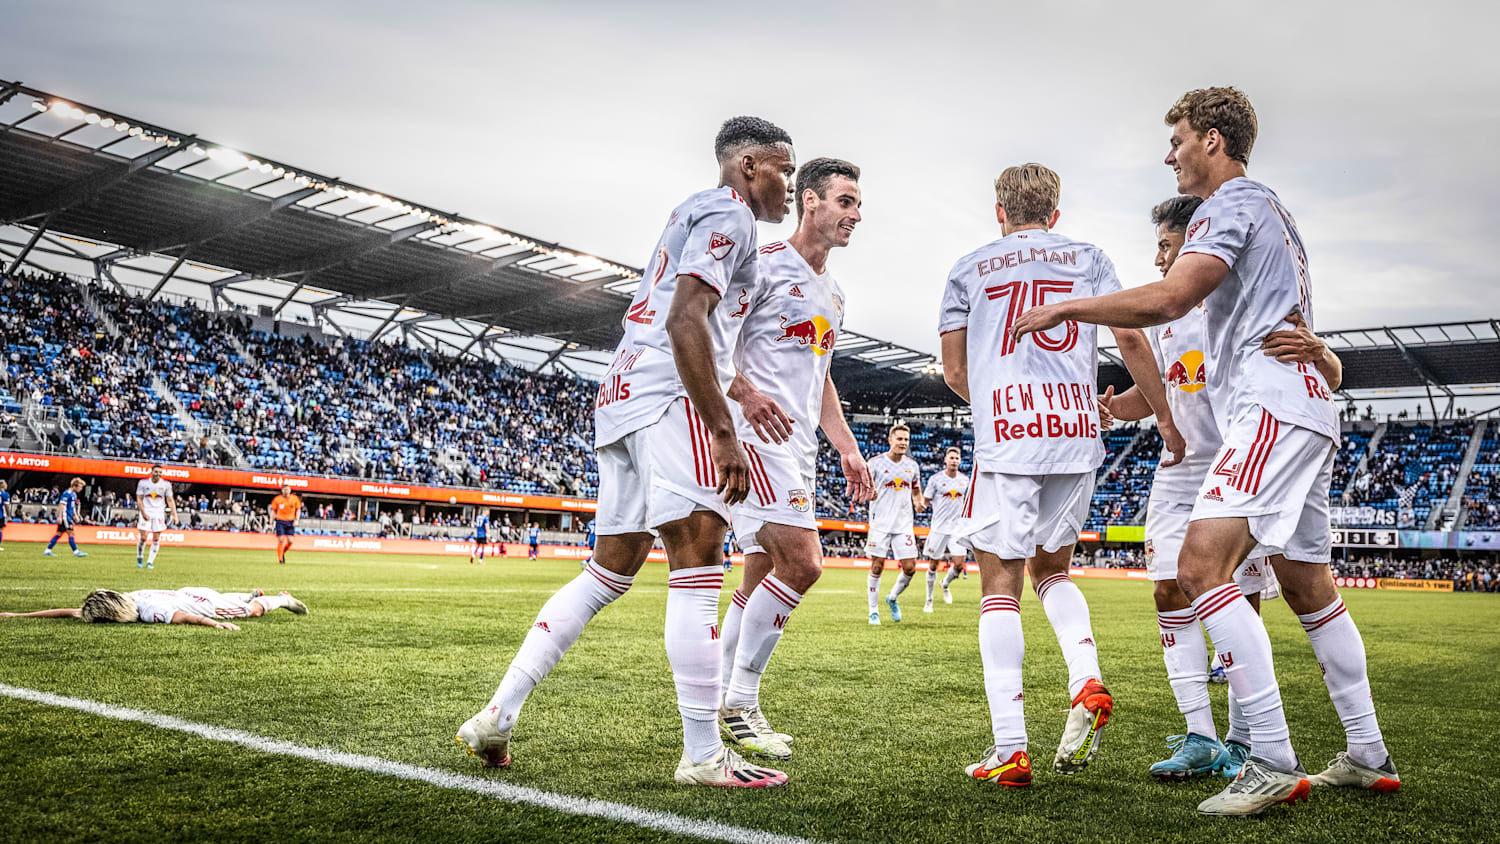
{"x":188,"y":605}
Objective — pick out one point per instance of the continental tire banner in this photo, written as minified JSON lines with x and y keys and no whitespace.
{"x":1416,"y":585}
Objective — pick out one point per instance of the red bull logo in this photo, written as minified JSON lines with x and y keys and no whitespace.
{"x":899,"y":483}
{"x":816,"y":332}
{"x":1188,"y":372}
{"x":953,"y":494}
{"x":799,"y":500}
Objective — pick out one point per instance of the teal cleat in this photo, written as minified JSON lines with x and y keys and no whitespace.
{"x":1237,"y":754}
{"x":1192,"y":755}
{"x":48,"y":553}
{"x":80,"y":553}
{"x":874,"y":618}
{"x":140,"y":563}
{"x":895,"y":609}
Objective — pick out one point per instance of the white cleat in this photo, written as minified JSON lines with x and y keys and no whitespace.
{"x":295,"y":606}
{"x":1256,"y":789}
{"x":947,"y":596}
{"x":727,"y":770}
{"x":485,"y":741}
{"x":48,"y":553}
{"x":927,"y":607}
{"x":875,"y":618}
{"x":749,"y":729}
{"x":1084,"y":728}
{"x":1346,"y":772}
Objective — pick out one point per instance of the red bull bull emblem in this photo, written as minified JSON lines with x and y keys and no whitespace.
{"x":816,"y":332}
{"x":799,"y":500}
{"x":1188,"y":372}
{"x":900,"y":483}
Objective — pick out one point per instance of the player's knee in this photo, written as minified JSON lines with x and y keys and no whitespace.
{"x":799,"y":575}
{"x":1169,"y":596}
{"x":256,"y":610}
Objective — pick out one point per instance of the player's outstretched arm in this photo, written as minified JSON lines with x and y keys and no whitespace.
{"x":1136,"y":353}
{"x":62,"y":612}
{"x":1193,"y":276}
{"x":836,"y":428}
{"x":693,"y":352}
{"x":1129,"y":406}
{"x":188,"y":618}
{"x":771,"y":423}
{"x":956,"y":361}
{"x":1301,"y":345}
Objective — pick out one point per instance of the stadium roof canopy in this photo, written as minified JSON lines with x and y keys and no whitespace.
{"x":158,"y":211}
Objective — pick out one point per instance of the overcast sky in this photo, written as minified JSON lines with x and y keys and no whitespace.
{"x":585,"y":123}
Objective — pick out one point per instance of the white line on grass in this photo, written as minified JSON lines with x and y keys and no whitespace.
{"x":618,"y":812}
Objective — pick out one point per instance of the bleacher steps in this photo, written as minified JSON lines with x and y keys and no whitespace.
{"x":1461,"y":482}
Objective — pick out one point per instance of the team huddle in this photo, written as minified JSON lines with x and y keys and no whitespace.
{"x":708,"y":417}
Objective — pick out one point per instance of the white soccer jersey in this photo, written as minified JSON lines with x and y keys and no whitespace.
{"x":152,"y":497}
{"x":157,"y":606}
{"x":1181,"y":350}
{"x":947,"y":497}
{"x":791,"y":322}
{"x":710,"y":236}
{"x":891,"y":511}
{"x":1033,"y":401}
{"x":1245,"y":225}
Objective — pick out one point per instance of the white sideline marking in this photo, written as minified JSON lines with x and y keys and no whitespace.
{"x":505,"y":792}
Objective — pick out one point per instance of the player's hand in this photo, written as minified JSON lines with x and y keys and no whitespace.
{"x":1040,"y":318}
{"x":771,"y":423}
{"x":1299,"y":345}
{"x":8,"y":614}
{"x":857,"y":472}
{"x":1173,"y":445}
{"x":732,"y":467}
{"x":224,"y":625}
{"x":1106,"y":416}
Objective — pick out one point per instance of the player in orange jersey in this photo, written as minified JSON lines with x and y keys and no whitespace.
{"x":286,"y":508}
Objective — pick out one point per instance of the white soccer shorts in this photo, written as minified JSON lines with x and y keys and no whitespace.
{"x":1276,"y":476}
{"x":901,"y":545}
{"x":1010,"y":516}
{"x":657,"y":475}
{"x":941,"y":546}
{"x":779,"y":493}
{"x":151,"y":524}
{"x":1166,"y":528}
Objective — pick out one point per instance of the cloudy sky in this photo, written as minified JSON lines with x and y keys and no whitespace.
{"x":586,"y":122}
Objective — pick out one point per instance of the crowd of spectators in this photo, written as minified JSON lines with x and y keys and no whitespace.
{"x":1468,"y":575}
{"x":1482,"y":495}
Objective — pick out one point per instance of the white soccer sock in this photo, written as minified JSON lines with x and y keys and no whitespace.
{"x":874,"y":591}
{"x":1341,"y":654}
{"x":1068,"y":613}
{"x":952,"y":575}
{"x":766,"y":615}
{"x":1001,"y":649}
{"x":140,"y":547}
{"x":931,"y":582}
{"x":1243,"y":644}
{"x":155,"y":547}
{"x":557,"y":627}
{"x":729,"y":634}
{"x":692,"y":634}
{"x":1238,"y":730}
{"x":1185,"y":654}
{"x":272,"y":602}
{"x":903,"y":580}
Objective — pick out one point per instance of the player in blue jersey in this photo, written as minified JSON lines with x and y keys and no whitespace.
{"x":533,"y":539}
{"x":729,"y":549}
{"x":67,"y":514}
{"x":590,"y":540}
{"x":5,"y":511}
{"x":481,"y":536}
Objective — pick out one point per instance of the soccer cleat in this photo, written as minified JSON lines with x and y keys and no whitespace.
{"x":295,"y":606}
{"x":749,"y":729}
{"x":927,"y":607}
{"x":1216,"y":671}
{"x":728,"y":770}
{"x":1258,"y":787}
{"x":875,"y":618}
{"x":1192,"y":755}
{"x":80,"y":553}
{"x":150,"y":565}
{"x":48,"y":553}
{"x":1343,"y":771}
{"x":140,"y":562}
{"x":1084,"y":728}
{"x":485,"y":740}
{"x":895,"y":609}
{"x":947,"y":596}
{"x":1014,"y":772}
{"x":1237,"y":754}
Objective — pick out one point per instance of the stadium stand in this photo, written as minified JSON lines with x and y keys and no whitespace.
{"x":1482,"y":497}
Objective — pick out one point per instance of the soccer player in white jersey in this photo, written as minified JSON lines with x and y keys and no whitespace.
{"x":188,"y":605}
{"x":898,"y":494}
{"x":1269,"y":482}
{"x":670,"y":463}
{"x":784,"y":393}
{"x":1179,"y":347}
{"x":154,"y":497}
{"x":1036,"y":447}
{"x":945,"y":492}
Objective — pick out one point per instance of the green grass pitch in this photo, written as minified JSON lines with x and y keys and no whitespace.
{"x":398,"y":651}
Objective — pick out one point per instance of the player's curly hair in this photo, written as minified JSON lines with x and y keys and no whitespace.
{"x":815,"y":176}
{"x":1029,"y":193}
{"x":1176,"y":212}
{"x":107,"y":605}
{"x":1225,"y":109}
{"x":740,"y":133}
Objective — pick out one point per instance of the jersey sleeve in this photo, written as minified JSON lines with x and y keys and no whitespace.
{"x":931,"y":489}
{"x":1221,"y":228}
{"x":154,"y":609}
{"x":720,"y":237}
{"x":1105,"y":278}
{"x":954,"y":312}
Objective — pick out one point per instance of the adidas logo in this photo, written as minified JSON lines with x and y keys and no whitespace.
{"x":1086,"y":641}
{"x":797,"y":292}
{"x":1019,"y":696}
{"x":1214,"y":495}
{"x":1166,"y":334}
{"x":1252,"y":570}
{"x":543,"y":626}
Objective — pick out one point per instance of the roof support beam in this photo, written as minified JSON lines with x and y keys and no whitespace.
{"x":84,"y":189}
{"x":30,"y":244}
{"x":557,"y":353}
{"x":276,"y":312}
{"x":1419,"y":368}
{"x":346,"y":253}
{"x":167,"y":276}
{"x":395,"y":312}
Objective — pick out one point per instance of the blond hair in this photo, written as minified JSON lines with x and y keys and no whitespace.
{"x":1028,"y":193}
{"x":107,"y":605}
{"x":1225,"y":109}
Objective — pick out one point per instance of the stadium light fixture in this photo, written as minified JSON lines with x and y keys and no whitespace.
{"x":38,"y":105}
